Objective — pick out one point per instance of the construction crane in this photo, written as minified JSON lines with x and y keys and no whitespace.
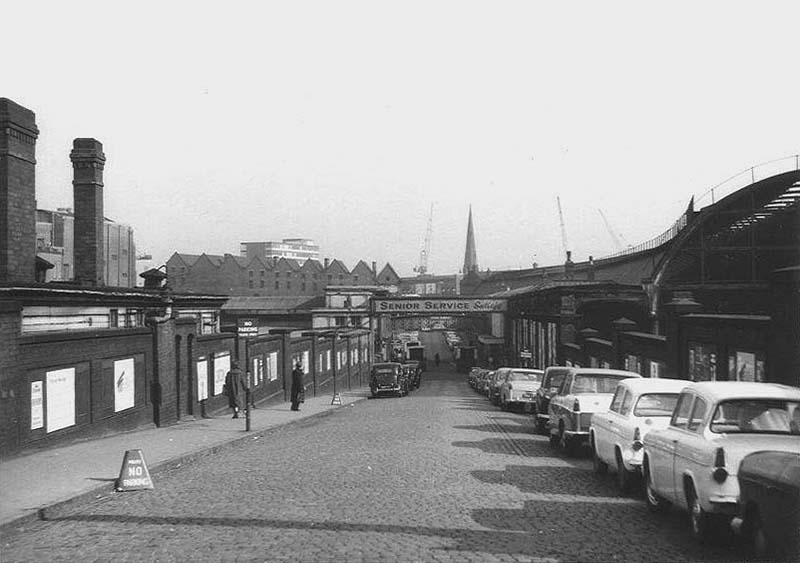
{"x":422,"y":267}
{"x":615,"y":239}
{"x":564,"y":241}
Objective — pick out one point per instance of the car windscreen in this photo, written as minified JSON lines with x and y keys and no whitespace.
{"x":655,"y":404}
{"x":595,"y":383}
{"x":523,"y":376}
{"x":757,"y":416}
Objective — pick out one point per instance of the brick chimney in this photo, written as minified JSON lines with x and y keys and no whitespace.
{"x":88,"y":162}
{"x":18,"y":135}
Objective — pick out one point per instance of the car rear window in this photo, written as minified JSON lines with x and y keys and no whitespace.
{"x":591,"y":383}
{"x":656,"y":404}
{"x":757,"y":416}
{"x":523,"y":376}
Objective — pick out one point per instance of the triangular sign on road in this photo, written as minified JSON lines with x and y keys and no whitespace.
{"x":134,"y":475}
{"x":337,"y":399}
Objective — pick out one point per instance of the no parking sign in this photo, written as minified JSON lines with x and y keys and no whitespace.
{"x":134,"y":475}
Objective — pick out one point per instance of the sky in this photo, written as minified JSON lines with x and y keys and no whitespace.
{"x":345,"y":121}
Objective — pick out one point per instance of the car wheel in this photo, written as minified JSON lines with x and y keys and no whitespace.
{"x":655,"y":503}
{"x":699,"y":519}
{"x":624,"y":477}
{"x":761,"y":543}
{"x":600,"y":466}
{"x":566,"y":444}
{"x":555,"y":439}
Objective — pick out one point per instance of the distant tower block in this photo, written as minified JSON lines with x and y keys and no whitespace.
{"x":18,"y":134}
{"x":470,"y":255}
{"x":88,"y":162}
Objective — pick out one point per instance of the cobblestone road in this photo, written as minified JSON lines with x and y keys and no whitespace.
{"x":440,"y":475}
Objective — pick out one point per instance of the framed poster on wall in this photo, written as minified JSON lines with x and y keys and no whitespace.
{"x":222,"y":365}
{"x":202,"y":379}
{"x":37,"y":405}
{"x":124,"y":378}
{"x":60,"y":387}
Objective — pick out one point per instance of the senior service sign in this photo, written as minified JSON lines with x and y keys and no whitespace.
{"x":444,"y":306}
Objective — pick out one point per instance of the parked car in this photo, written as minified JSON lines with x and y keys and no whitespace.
{"x":694,"y":462}
{"x":388,"y":378}
{"x":493,"y":392}
{"x":639,"y":405}
{"x":518,"y":387}
{"x":551,"y":383}
{"x":486,"y":379}
{"x":474,"y":376}
{"x":769,"y":489}
{"x":584,"y":392}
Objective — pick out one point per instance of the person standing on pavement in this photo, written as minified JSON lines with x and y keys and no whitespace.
{"x":298,"y":391}
{"x":234,"y":388}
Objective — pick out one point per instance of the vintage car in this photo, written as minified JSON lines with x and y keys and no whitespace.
{"x":493,"y":391}
{"x":694,"y":462}
{"x":518,"y":388}
{"x":474,"y":376}
{"x":769,"y":490}
{"x":486,"y":380}
{"x":584,"y":392}
{"x":551,"y":383}
{"x":388,"y":378}
{"x":414,"y":373}
{"x":639,"y":405}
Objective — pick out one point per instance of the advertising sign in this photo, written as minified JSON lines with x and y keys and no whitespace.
{"x":60,"y":398}
{"x":202,"y":379}
{"x":123,"y":384}
{"x":37,"y":406}
{"x":222,"y":365}
{"x":439,"y":306}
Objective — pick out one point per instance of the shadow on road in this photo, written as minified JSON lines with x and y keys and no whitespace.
{"x":552,"y":480}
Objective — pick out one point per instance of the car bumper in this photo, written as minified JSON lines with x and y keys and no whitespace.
{"x":577,"y":436}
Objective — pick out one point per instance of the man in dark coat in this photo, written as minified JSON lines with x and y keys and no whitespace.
{"x":297,"y":386}
{"x":234,"y":388}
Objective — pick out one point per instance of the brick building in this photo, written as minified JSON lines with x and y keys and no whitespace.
{"x":82,"y":358}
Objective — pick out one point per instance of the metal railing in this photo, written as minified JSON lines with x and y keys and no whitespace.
{"x":736,"y":182}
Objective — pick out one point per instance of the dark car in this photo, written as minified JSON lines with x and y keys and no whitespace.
{"x":388,"y":378}
{"x":494,"y":385}
{"x":551,"y":383}
{"x":769,"y":492}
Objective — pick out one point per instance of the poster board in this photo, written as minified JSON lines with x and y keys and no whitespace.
{"x":60,"y":388}
{"x":37,"y":405}
{"x":124,"y":384}
{"x":222,"y":365}
{"x":202,"y":379}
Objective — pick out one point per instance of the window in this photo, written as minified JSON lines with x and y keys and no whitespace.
{"x":303,"y":286}
{"x":262,"y":283}
{"x":251,"y":272}
{"x":745,"y":366}
{"x":277,"y":284}
{"x":698,"y":413}
{"x":626,"y":404}
{"x":616,"y":402}
{"x":681,"y":415}
{"x":262,"y":273}
{"x":702,"y":362}
{"x":656,"y":404}
{"x":250,"y":284}
{"x":288,"y":285}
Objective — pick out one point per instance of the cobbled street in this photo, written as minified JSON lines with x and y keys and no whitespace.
{"x":440,"y":475}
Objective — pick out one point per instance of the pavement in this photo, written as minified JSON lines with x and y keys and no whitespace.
{"x":38,"y":484}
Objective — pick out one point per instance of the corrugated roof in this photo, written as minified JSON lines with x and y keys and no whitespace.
{"x":275,"y":303}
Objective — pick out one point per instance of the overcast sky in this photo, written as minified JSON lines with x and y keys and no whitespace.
{"x":344,"y":121}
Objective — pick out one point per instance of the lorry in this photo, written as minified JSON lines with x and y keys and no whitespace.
{"x":417,"y":353}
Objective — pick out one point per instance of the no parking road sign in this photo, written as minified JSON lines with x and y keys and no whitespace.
{"x":134,"y":475}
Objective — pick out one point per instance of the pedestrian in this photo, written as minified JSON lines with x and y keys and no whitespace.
{"x":436,"y":359}
{"x":234,"y":388}
{"x":298,"y":391}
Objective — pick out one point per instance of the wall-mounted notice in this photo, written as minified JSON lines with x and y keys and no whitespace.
{"x":202,"y":379}
{"x":60,"y":398}
{"x":37,"y":406}
{"x":123,"y":384}
{"x":222,"y":365}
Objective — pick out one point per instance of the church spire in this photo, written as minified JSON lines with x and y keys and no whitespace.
{"x":470,"y":255}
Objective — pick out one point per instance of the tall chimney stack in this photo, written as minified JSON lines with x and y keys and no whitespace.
{"x":18,"y":133}
{"x":88,"y":162}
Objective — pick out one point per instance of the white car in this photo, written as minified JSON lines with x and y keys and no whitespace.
{"x":519,"y":387}
{"x":693,"y":463}
{"x":584,"y":392}
{"x":639,"y":405}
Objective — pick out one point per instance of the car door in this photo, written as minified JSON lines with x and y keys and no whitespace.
{"x":661,"y":453}
{"x":557,"y":403}
{"x":690,"y":449}
{"x":603,"y":424}
{"x":618,"y":424}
